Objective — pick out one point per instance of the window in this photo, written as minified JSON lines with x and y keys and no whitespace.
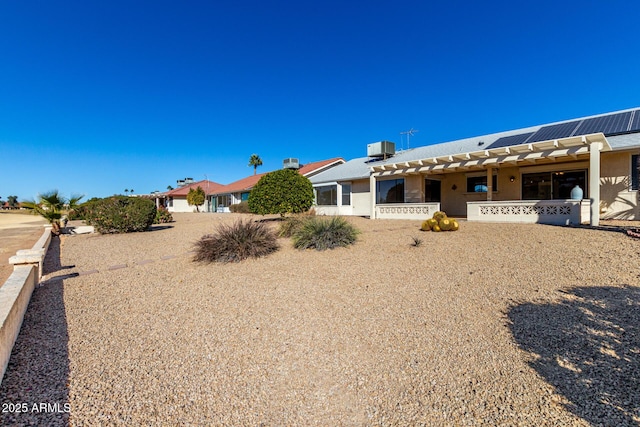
{"x":478,"y":184}
{"x":224,"y":200}
{"x":244,"y":197}
{"x":390,"y":191}
{"x":552,"y":185}
{"x":346,"y":194}
{"x":432,"y":190}
{"x":635,"y":184}
{"x":327,"y":195}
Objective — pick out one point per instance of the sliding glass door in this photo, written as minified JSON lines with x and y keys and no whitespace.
{"x":552,"y":185}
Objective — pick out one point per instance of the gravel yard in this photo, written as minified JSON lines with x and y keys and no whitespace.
{"x":495,"y":324}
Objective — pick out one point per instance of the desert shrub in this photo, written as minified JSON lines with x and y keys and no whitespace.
{"x":324,"y":233}
{"x":242,"y":207}
{"x":290,"y":225}
{"x":121,"y":214}
{"x":281,"y":192}
{"x":163,"y":216}
{"x":234,"y":243}
{"x":417,"y":242}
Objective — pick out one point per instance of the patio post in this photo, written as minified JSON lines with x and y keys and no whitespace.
{"x":489,"y":183}
{"x":594,"y":182}
{"x":372,"y":191}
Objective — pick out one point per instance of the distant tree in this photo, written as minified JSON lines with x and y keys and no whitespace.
{"x":169,"y":188}
{"x":131,"y":191}
{"x":126,"y":190}
{"x":196,"y":197}
{"x":13,"y":201}
{"x":281,"y":192}
{"x":255,"y":161}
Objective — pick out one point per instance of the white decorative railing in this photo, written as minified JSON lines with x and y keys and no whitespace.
{"x":561,"y":212}
{"x":406,"y":210}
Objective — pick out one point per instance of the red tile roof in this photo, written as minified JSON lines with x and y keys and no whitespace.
{"x":246,"y":184}
{"x":318,"y":166}
{"x":209,"y":187}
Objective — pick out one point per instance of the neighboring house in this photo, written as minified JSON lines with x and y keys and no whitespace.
{"x":176,"y":199}
{"x":525,"y":175}
{"x":225,"y":196}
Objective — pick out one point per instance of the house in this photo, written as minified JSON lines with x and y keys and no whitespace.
{"x":573,"y":171}
{"x":225,"y":196}
{"x":176,"y":199}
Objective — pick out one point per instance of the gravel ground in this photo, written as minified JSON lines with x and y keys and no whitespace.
{"x":496,"y":324}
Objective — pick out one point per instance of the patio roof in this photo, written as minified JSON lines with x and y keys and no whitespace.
{"x":534,"y":152}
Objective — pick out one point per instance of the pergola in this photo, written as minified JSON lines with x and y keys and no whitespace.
{"x":549,"y":151}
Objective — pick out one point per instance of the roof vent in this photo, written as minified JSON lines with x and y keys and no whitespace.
{"x":291,"y":163}
{"x":381,"y":149}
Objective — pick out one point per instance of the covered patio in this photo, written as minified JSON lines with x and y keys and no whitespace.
{"x":480,"y":169}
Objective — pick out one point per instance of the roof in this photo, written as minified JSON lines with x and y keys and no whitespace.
{"x":621,"y":129}
{"x":246,"y":184}
{"x":240,"y":185}
{"x":209,"y":187}
{"x":314,"y":168}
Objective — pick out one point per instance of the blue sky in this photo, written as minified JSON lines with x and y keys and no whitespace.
{"x":98,"y":97}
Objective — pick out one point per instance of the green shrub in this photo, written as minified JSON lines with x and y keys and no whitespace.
{"x":163,"y":216}
{"x":121,"y":214}
{"x":242,"y":207}
{"x":325,"y":233}
{"x":291,"y":225}
{"x":196,"y":197}
{"x":80,"y":211}
{"x":234,"y":243}
{"x":281,"y":192}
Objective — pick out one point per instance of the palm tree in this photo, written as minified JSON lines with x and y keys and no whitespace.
{"x":51,"y":206}
{"x":169,"y":188}
{"x":255,"y":161}
{"x":126,"y":190}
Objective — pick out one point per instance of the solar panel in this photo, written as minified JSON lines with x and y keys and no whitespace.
{"x":635,"y":123}
{"x":507,"y":141}
{"x":609,"y":125}
{"x":561,"y":130}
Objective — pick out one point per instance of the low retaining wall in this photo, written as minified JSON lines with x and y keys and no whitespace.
{"x":16,"y":293}
{"x":557,"y":212}
{"x":418,"y":211}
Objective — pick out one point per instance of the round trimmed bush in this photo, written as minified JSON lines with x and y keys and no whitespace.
{"x":121,"y":214}
{"x":281,"y":192}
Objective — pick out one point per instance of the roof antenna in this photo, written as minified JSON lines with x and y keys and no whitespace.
{"x":409,"y":133}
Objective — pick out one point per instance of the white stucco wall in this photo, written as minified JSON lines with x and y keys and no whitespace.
{"x":181,"y":205}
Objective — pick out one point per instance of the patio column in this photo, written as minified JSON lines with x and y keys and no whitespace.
{"x":594,"y":182}
{"x":338,"y":196}
{"x":489,"y":183}
{"x":372,"y":191}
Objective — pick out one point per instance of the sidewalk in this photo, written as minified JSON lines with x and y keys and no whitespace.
{"x":17,"y":231}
